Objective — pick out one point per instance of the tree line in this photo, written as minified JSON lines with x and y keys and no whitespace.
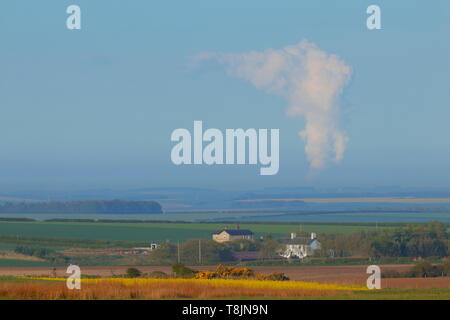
{"x":413,"y":240}
{"x":84,"y":206}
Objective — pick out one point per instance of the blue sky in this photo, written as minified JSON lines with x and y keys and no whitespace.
{"x":95,"y":108}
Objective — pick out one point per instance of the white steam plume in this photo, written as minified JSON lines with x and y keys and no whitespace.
{"x":310,"y":79}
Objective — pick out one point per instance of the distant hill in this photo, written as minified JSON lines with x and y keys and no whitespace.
{"x":84,"y":206}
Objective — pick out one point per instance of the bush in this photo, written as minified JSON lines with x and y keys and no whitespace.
{"x":34,"y":251}
{"x":420,"y":270}
{"x":232,"y":272}
{"x":391,"y":274}
{"x":227,"y":272}
{"x":133,"y":273}
{"x":270,"y":249}
{"x":165,"y":254}
{"x":181,"y":270}
{"x":276,"y":276}
{"x":446,"y":268}
{"x":211,"y":253}
{"x":243,"y":245}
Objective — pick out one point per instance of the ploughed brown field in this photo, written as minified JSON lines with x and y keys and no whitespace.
{"x":343,"y":275}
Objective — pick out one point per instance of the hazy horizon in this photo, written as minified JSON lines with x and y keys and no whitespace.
{"x":95,"y":108}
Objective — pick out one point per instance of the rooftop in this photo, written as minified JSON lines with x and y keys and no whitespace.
{"x":298,"y":240}
{"x":237,"y":232}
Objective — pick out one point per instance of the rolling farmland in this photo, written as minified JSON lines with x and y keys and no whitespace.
{"x":121,"y":231}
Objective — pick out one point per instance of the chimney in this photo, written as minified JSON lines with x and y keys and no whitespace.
{"x":313,"y":235}
{"x":237,"y":227}
{"x":293,"y":235}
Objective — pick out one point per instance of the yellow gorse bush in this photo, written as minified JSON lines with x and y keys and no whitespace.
{"x":227,"y":272}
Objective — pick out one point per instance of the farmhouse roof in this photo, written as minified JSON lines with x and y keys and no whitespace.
{"x":293,"y":241}
{"x":240,"y":232}
{"x":297,"y":241}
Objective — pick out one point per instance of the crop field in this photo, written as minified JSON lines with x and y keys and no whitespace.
{"x":122,"y":288}
{"x":191,"y":216}
{"x":364,"y":216}
{"x":358,"y":200}
{"x":145,"y":232}
{"x":132,"y":288}
{"x":337,"y":275}
{"x":22,"y":263}
{"x":322,"y":282}
{"x":359,"y":214}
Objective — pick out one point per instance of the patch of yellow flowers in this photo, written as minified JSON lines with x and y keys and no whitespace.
{"x":252,"y":284}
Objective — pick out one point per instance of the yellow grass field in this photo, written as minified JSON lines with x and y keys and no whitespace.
{"x":335,"y":282}
{"x":220,"y":283}
{"x":132,"y":288}
{"x":38,"y":288}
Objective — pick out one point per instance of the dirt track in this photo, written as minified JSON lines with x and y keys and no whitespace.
{"x":324,"y":274}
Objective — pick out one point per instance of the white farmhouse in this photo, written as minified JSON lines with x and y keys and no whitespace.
{"x":299,"y":248}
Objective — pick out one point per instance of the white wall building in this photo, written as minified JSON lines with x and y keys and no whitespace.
{"x":299,"y":248}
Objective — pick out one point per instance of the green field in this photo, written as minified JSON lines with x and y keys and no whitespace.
{"x":351,"y":216}
{"x":144,"y":232}
{"x":23,"y":263}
